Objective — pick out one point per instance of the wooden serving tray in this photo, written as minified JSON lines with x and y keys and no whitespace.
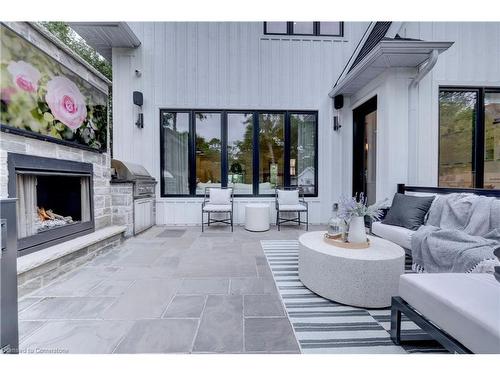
{"x":337,"y":241}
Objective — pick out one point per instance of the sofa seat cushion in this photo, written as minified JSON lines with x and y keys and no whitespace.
{"x":466,"y":306}
{"x":217,"y":207}
{"x":292,"y":207}
{"x":399,"y":235}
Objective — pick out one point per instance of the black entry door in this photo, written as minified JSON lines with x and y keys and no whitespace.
{"x":365,"y":150}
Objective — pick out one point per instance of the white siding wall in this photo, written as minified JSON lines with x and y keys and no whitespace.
{"x":473,"y":60}
{"x":407,"y":150}
{"x":234,"y":66}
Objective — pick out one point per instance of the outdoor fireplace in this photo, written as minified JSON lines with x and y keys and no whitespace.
{"x":54,"y":200}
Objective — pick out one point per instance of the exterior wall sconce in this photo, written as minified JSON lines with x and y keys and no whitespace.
{"x":338,"y":103}
{"x":336,"y":123}
{"x":138,"y":101}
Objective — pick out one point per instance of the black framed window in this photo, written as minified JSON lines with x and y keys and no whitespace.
{"x":279,"y":28}
{"x":304,"y":28}
{"x":208,"y":150}
{"x":469,"y":137}
{"x":303,"y":151}
{"x":174,"y":134}
{"x":263,"y":149}
{"x":271,"y":151}
{"x":240,"y":152}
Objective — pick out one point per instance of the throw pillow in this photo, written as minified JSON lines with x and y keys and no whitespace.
{"x":288,"y":197}
{"x":408,"y":211}
{"x":220,"y":196}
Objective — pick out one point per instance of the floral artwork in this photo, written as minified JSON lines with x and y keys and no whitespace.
{"x":39,"y":95}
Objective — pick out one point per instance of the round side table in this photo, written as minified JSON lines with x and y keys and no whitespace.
{"x":357,"y":277}
{"x":257,"y":217}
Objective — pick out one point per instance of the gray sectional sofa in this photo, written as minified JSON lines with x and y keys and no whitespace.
{"x":459,"y":310}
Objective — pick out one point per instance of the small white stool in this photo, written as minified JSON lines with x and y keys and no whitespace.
{"x":257,"y":217}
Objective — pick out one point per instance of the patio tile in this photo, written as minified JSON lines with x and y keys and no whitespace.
{"x":171,"y":262}
{"x":143,"y":273}
{"x":217,"y":234}
{"x":90,"y":337}
{"x":171,"y":233}
{"x":262,"y":305}
{"x":110,"y":257}
{"x":224,"y":265}
{"x":263,"y":269}
{"x":159,"y":336}
{"x":110,"y":288}
{"x":185,"y":307}
{"x":204,"y":286}
{"x":27,"y":327}
{"x":269,"y":335}
{"x":24,"y":303}
{"x":78,"y":284}
{"x":67,"y":308}
{"x":253,"y":285}
{"x":143,"y":300}
{"x":140,"y":257}
{"x":251,"y":248}
{"x":221,"y":326}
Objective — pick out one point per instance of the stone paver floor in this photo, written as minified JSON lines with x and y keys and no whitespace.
{"x":168,"y":290}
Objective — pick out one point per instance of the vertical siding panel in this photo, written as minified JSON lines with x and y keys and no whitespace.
{"x":202,"y":63}
{"x":225,"y":65}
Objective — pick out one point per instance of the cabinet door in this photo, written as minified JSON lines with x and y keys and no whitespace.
{"x":143,"y":215}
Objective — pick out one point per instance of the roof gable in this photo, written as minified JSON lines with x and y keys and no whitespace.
{"x":376,"y":35}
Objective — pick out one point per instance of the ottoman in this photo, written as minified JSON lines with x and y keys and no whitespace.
{"x":257,"y":217}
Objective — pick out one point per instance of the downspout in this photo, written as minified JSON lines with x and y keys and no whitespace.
{"x":413,"y":173}
{"x":433,"y":58}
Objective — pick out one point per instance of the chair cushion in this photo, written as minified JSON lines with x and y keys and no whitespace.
{"x":292,"y":207}
{"x":220,"y":196}
{"x":217,"y":207}
{"x":408,"y":211}
{"x":399,"y":235}
{"x":466,"y":306}
{"x":288,"y":197}
{"x":266,"y":188}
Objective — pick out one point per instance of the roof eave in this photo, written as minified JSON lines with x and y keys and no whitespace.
{"x":389,"y":48}
{"x":104,"y":36}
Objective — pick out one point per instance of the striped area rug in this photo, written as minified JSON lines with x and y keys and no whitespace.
{"x":324,"y":326}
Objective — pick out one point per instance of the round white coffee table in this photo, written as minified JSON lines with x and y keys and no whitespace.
{"x":257,"y":217}
{"x":357,"y":277}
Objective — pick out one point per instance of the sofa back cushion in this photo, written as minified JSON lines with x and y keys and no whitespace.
{"x":408,"y":211}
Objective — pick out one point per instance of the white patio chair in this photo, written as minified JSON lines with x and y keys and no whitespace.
{"x":219,"y":201}
{"x":291,"y":199}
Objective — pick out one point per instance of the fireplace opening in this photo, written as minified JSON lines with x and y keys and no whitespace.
{"x":51,"y":201}
{"x":54,"y":200}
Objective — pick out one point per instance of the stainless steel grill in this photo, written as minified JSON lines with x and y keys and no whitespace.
{"x":143,"y":195}
{"x":144,"y":183}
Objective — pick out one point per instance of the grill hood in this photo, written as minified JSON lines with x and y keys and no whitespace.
{"x":126,"y":171}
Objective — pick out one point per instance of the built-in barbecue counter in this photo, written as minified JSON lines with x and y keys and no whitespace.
{"x":133,"y":196}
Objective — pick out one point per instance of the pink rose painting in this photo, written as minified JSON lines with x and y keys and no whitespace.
{"x":41,"y":96}
{"x":24,"y":75}
{"x":66,"y":102}
{"x":6,"y":93}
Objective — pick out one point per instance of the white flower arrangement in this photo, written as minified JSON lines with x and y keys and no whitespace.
{"x":357,"y":206}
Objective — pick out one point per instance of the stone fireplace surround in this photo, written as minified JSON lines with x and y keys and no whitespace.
{"x":41,"y":267}
{"x":42,"y":168}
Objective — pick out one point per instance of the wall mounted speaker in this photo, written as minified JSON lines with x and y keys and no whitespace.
{"x":137,"y":95}
{"x":338,"y":101}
